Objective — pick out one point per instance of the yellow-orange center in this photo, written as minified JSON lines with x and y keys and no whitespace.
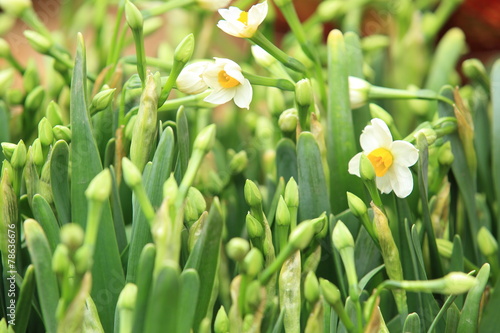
{"x":243,"y":18}
{"x":227,"y":81}
{"x":381,"y":160}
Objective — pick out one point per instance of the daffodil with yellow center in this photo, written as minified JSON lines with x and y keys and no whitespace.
{"x":227,"y":82}
{"x":390,"y":159}
{"x":242,"y":24}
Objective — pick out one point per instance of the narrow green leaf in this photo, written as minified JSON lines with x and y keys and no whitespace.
{"x":412,"y":323}
{"x":365,"y":279}
{"x":452,"y":318}
{"x":271,"y":212}
{"x":118,"y":220}
{"x":469,"y":317}
{"x":495,"y":139}
{"x":59,"y":181}
{"x":144,"y":282}
{"x":4,"y":125}
{"x":153,"y":177}
{"x":190,"y":287}
{"x":44,"y":215}
{"x":46,"y":282}
{"x":182,"y":135}
{"x":490,"y":320}
{"x":286,"y":159}
{"x":313,"y":193}
{"x":205,"y":259}
{"x":23,"y":309}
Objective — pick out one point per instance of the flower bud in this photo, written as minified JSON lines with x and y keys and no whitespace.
{"x":15,"y":7}
{"x":45,"y":132}
{"x":4,"y":48}
{"x":72,"y":237}
{"x":38,"y":42}
{"x":14,"y":96}
{"x":99,"y":188}
{"x":487,"y":243}
{"x":253,"y":262}
{"x":341,"y":236}
{"x":301,"y":236}
{"x":8,"y":149}
{"x":445,"y":154}
{"x":205,"y":140}
{"x":6,"y":79}
{"x":445,"y":247}
{"x":195,"y":204}
{"x":303,"y":93}
{"x":331,"y":9}
{"x":254,"y":227}
{"x":53,"y":113}
{"x":37,"y":152}
{"x":170,"y":188}
{"x":292,"y":193}
{"x":60,"y":259}
{"x":288,"y":120}
{"x":262,"y":57}
{"x":62,"y":133}
{"x":34,"y":99}
{"x":133,"y":16}
{"x":195,"y":231}
{"x":311,"y":288}
{"x":102,"y":100}
{"x":221,"y":324}
{"x":358,"y":92}
{"x":237,"y":248}
{"x":185,"y":49}
{"x":253,"y":296}
{"x":83,"y":259}
{"x":457,"y":283}
{"x":366,"y":170}
{"x":429,"y":133}
{"x":18,"y":159}
{"x":31,"y":79}
{"x":131,"y":173}
{"x":238,"y":163}
{"x":377,"y":112}
{"x":252,"y":194}
{"x":329,"y":291}
{"x":474,"y":70}
{"x":127,"y":297}
{"x":282,"y":213}
{"x":356,"y":205}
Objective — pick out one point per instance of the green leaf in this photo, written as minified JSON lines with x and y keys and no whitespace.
{"x":188,"y":299}
{"x":205,"y":259}
{"x":313,"y":193}
{"x":452,"y":318}
{"x":118,"y":220}
{"x":286,"y":159}
{"x":4,"y":125}
{"x":490,"y":320}
{"x":469,"y":317}
{"x":144,"y":283}
{"x":46,"y":282}
{"x":154,"y":177}
{"x":495,"y":139}
{"x":182,"y":135}
{"x":23,"y":309}
{"x":412,"y":323}
{"x":44,"y":215}
{"x":59,"y":181}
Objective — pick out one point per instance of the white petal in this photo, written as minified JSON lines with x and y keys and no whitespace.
{"x":354,"y":165}
{"x":401,"y":180}
{"x":220,"y":96}
{"x":229,"y":28}
{"x":230,"y":14}
{"x":375,"y":136}
{"x":257,"y":14}
{"x":243,"y":95}
{"x":404,"y":153}
{"x":211,"y":76}
{"x":384,"y":183}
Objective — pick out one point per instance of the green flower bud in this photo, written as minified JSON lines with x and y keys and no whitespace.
{"x":358,"y":91}
{"x":254,"y":227}
{"x":38,"y":42}
{"x":62,"y":133}
{"x":445,"y":247}
{"x":292,"y":193}
{"x":18,"y":159}
{"x":377,"y":112}
{"x":238,"y":163}
{"x":445,"y":154}
{"x":282,"y":213}
{"x":14,"y":96}
{"x":8,"y":149}
{"x":205,"y":140}
{"x":99,"y":188}
{"x":37,"y":152}
{"x":31,"y":79}
{"x":185,"y":49}
{"x":4,"y":48}
{"x":429,"y":133}
{"x":195,"y":231}
{"x":102,"y":100}
{"x":72,"y":236}
{"x":205,"y":326}
{"x":131,"y":173}
{"x":341,"y":236}
{"x":195,"y":205}
{"x":34,"y":99}
{"x":54,"y":113}
{"x":252,"y":194}
{"x":221,"y":324}
{"x":83,"y":259}
{"x":60,"y":259}
{"x":253,"y":262}
{"x":311,"y":288}
{"x":474,"y":70}
{"x":487,"y":243}
{"x":366,"y":169}
{"x":356,"y":205}
{"x":288,"y":120}
{"x":329,"y":291}
{"x":301,"y":236}
{"x":133,"y":16}
{"x":457,"y":283}
{"x":45,"y":132}
{"x":15,"y":8}
{"x":253,"y":296}
{"x":129,"y":128}
{"x":127,"y":297}
{"x":170,"y":188}
{"x":304,"y":93}
{"x":6,"y":79}
{"x":329,"y":10}
{"x":237,"y":248}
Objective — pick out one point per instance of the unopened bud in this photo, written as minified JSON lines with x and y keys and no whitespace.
{"x":127,"y":297}
{"x":60,"y":259}
{"x":474,"y":70}
{"x":15,"y":7}
{"x":83,"y":259}
{"x":4,"y":48}
{"x":356,"y":205}
{"x":102,"y":100}
{"x":195,"y":204}
{"x":6,"y":79}
{"x":311,"y":287}
{"x":37,"y":152}
{"x":45,"y":132}
{"x":237,"y":248}
{"x":31,"y":79}
{"x":487,"y":243}
{"x":377,"y":112}
{"x":195,"y":231}
{"x":38,"y":42}
{"x":445,"y":154}
{"x":54,"y":113}
{"x":131,"y":173}
{"x":254,"y":227}
{"x":429,"y":133}
{"x":303,"y":92}
{"x":205,"y":140}
{"x":18,"y":159}
{"x":72,"y":236}
{"x":292,"y":193}
{"x":301,"y":236}
{"x":8,"y":149}
{"x":341,"y":236}
{"x":253,"y":296}
{"x":288,"y":120}
{"x":133,"y":16}
{"x":238,"y":163}
{"x":445,"y":247}
{"x":99,"y":188}
{"x":366,"y":170}
{"x":62,"y":133}
{"x":185,"y":49}
{"x":221,"y":324}
{"x":358,"y":91}
{"x":282,"y":213}
{"x":34,"y":99}
{"x":329,"y":291}
{"x":170,"y":188}
{"x":329,"y":10}
{"x":252,"y":194}
{"x":253,"y":262}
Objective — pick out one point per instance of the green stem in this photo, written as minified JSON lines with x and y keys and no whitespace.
{"x":15,"y":64}
{"x":376,"y":92}
{"x":369,"y":228}
{"x":374,"y":194}
{"x":293,"y":217}
{"x":174,"y":104}
{"x":268,"y":273}
{"x":282,"y":84}
{"x":141,"y":54}
{"x":144,"y":202}
{"x":165,"y":7}
{"x":93,"y":218}
{"x":449,"y":301}
{"x":167,"y":88}
{"x":187,"y":180}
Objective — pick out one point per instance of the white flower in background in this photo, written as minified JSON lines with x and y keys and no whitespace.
{"x":358,"y":92}
{"x":227,"y":82}
{"x":243,"y":24}
{"x":390,"y":159}
{"x":190,"y":79}
{"x":213,"y":5}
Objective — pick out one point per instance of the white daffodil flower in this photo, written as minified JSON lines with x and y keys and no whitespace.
{"x":213,"y":5}
{"x":227,"y":82}
{"x":358,"y":92}
{"x":390,"y":159}
{"x":242,"y":24}
{"x":190,"y":79}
